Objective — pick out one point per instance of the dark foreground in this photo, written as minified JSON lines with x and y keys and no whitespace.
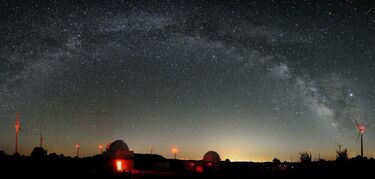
{"x":57,"y":166}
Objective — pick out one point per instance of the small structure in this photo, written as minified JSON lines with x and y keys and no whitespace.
{"x":210,"y":163}
{"x":119,"y":157}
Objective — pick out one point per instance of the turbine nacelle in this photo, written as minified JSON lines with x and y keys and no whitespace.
{"x":361,"y":129}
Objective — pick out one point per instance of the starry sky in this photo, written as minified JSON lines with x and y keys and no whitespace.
{"x":252,"y":80}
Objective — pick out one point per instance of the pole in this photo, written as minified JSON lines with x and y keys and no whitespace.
{"x":41,"y":141}
{"x":318,"y":156}
{"x":16,"y":147}
{"x":291,"y":159}
{"x":361,"y":145}
{"x":100,"y":148}
{"x":77,"y":147}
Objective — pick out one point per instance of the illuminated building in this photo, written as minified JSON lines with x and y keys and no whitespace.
{"x":119,"y":157}
{"x":211,"y":161}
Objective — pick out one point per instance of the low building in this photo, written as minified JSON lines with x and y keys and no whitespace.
{"x":211,"y":162}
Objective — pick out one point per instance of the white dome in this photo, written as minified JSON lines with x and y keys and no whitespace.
{"x":211,"y":156}
{"x":118,"y":145}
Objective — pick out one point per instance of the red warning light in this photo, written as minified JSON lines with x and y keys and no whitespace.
{"x":199,"y":169}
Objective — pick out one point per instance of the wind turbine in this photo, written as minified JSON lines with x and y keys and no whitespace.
{"x":361,"y":130}
{"x":18,"y":129}
{"x":41,"y":141}
{"x":339,"y":145}
{"x":77,"y":147}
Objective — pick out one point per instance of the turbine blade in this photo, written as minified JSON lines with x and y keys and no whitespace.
{"x":358,"y":137}
{"x":356,"y":123}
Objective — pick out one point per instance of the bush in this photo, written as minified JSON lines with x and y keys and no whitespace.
{"x":305,"y":157}
{"x":342,"y":156}
{"x":38,"y":152}
{"x":276,"y":161}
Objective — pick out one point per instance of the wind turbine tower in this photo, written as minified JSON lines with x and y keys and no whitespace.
{"x":361,"y":130}
{"x":18,"y":129}
{"x":77,"y":148}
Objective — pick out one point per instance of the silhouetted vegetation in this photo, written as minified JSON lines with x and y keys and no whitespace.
{"x":305,"y":157}
{"x":276,"y":161}
{"x":2,"y":154}
{"x":38,"y":152}
{"x":342,"y":156}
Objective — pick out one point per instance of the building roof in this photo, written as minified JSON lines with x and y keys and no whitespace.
{"x":118,"y":145}
{"x":211,"y":156}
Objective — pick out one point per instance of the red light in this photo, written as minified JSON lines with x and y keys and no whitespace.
{"x":100,"y":146}
{"x":362,"y":129}
{"x":77,"y":145}
{"x":210,"y":164}
{"x":199,"y":169}
{"x":192,"y":164}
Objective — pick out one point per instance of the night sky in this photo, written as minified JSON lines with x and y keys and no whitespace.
{"x":252,"y":80}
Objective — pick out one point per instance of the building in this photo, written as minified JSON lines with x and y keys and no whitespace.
{"x":211,"y":162}
{"x":119,"y":157}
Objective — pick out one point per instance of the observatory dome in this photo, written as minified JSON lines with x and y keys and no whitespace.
{"x":118,"y":145}
{"x":211,"y":156}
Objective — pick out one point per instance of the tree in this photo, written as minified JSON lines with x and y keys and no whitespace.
{"x":342,"y":156}
{"x":16,"y":155}
{"x":38,"y":152}
{"x":276,"y":161}
{"x":305,"y":157}
{"x":2,"y":154}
